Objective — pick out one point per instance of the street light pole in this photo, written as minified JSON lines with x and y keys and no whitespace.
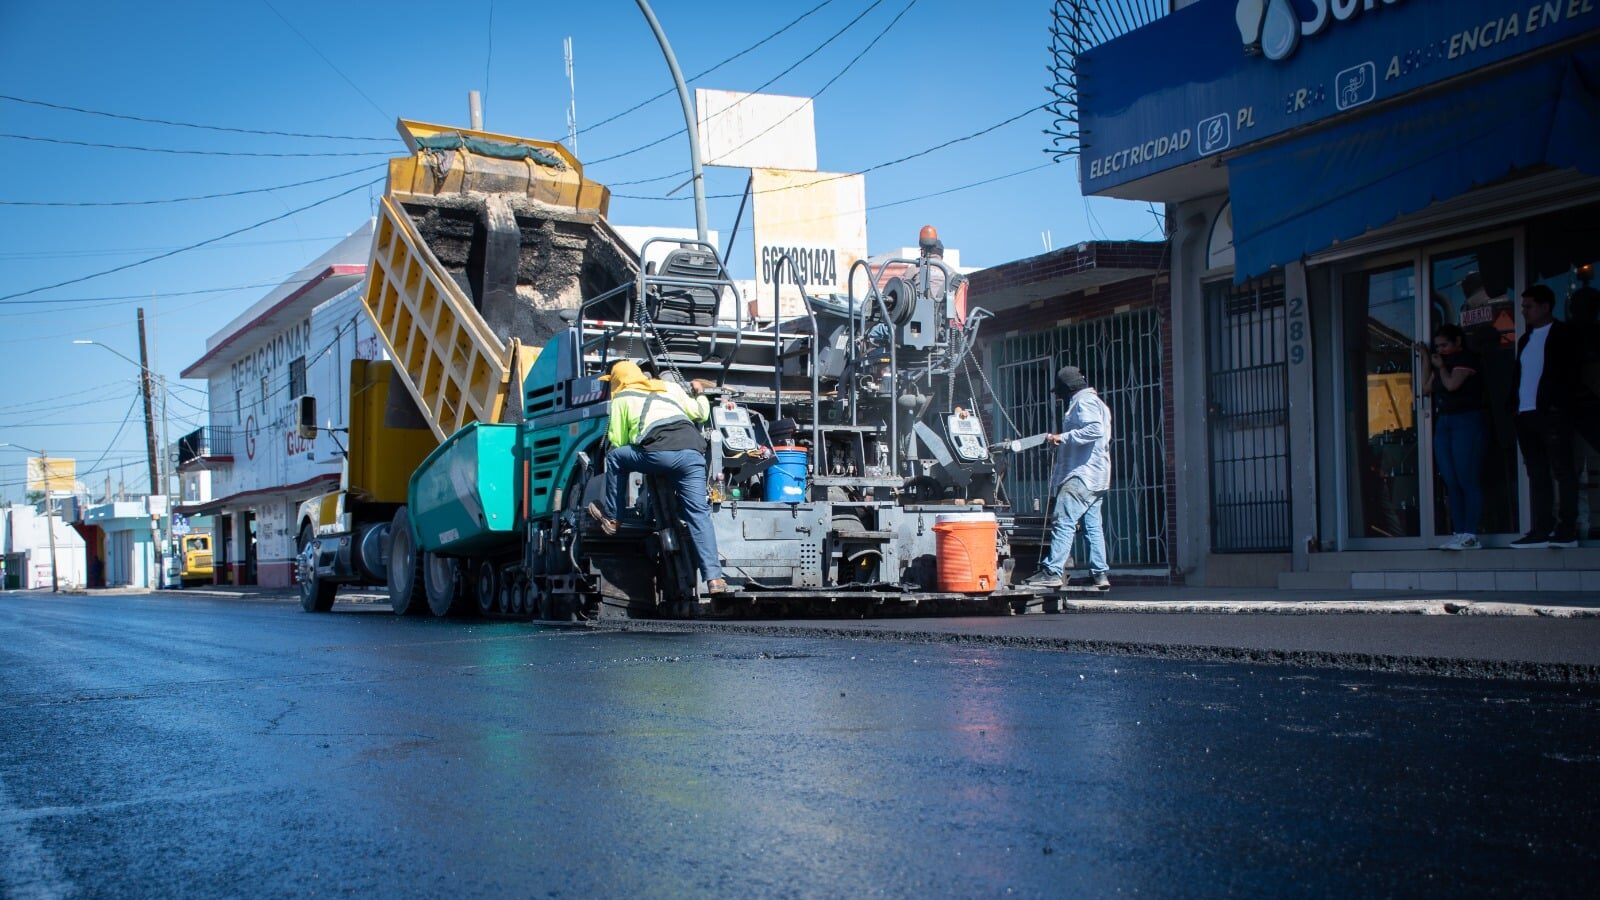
{"x":157,"y":473}
{"x":50,"y":522}
{"x":698,"y":177}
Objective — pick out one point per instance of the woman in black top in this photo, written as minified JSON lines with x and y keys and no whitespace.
{"x":1460,"y":428}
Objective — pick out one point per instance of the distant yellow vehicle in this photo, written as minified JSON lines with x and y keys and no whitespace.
{"x":197,"y":558}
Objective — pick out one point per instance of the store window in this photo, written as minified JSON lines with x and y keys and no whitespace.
{"x":1472,"y":287}
{"x":1380,"y":329}
{"x":297,"y":377}
{"x":1563,"y":251}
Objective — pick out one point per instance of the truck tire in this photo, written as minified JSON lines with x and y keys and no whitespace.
{"x":443,"y":581}
{"x":405,"y":568}
{"x":316,"y":595}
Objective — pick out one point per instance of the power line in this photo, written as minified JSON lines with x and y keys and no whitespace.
{"x":113,"y":442}
{"x":182,"y":152}
{"x":126,"y":251}
{"x":872,"y":168}
{"x":699,"y":75}
{"x":99,"y":387}
{"x":488,"y":56}
{"x":320,"y":55}
{"x":188,"y":247}
{"x":123,"y":298}
{"x":838,"y":75}
{"x":818,"y":49}
{"x":962,"y":187}
{"x":155,"y":121}
{"x":242,"y":193}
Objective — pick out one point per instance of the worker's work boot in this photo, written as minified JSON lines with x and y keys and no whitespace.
{"x":1043,"y":579}
{"x":717,"y":587}
{"x":607,"y":524}
{"x":1102,"y":582}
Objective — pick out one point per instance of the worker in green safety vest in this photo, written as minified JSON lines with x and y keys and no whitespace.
{"x":655,"y":429}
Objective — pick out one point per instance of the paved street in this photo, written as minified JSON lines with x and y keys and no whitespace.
{"x":159,"y":746}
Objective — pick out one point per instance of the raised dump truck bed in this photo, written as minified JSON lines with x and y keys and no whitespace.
{"x":481,"y":239}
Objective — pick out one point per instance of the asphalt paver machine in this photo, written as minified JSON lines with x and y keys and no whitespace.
{"x":848,"y":467}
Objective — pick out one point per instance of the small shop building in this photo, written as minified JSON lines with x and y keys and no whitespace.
{"x":1342,"y":177}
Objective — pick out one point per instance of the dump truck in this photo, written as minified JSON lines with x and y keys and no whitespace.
{"x":848,"y":470}
{"x":343,"y":536}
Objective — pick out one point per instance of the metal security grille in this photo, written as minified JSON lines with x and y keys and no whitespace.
{"x":1121,"y":355}
{"x":1247,"y":400}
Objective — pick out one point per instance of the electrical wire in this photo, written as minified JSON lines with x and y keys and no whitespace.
{"x":113,"y":442}
{"x":183,"y":152}
{"x":699,"y":75}
{"x":262,"y":190}
{"x":488,"y":56}
{"x":160,"y":256}
{"x":7,"y":409}
{"x":320,"y":55}
{"x":123,"y":299}
{"x":128,"y":251}
{"x":872,"y":168}
{"x":818,"y":49}
{"x":962,"y":187}
{"x":154,"y":121}
{"x":838,"y":75}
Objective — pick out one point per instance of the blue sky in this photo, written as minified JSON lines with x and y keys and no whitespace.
{"x":946,"y":69}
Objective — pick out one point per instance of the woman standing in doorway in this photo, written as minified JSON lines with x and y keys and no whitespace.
{"x":1460,"y":428}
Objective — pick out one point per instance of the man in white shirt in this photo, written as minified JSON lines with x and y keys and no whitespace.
{"x":1080,"y":479}
{"x":1548,"y":388}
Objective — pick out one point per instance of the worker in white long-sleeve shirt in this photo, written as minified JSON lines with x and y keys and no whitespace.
{"x":1080,"y":479}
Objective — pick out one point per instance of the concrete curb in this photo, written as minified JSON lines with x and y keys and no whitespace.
{"x":1333,"y":607}
{"x":1559,"y":672}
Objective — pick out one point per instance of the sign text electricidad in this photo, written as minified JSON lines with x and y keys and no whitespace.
{"x":1140,"y":153}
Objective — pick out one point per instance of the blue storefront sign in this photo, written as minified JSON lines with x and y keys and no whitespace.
{"x":1221,"y":74}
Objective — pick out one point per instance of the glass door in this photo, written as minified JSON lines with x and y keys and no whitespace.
{"x":1384,"y":465}
{"x":1473,"y":288}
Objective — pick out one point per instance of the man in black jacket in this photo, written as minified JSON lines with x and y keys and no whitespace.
{"x":1549,"y":357}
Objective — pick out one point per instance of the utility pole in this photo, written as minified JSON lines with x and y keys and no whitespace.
{"x":149,"y":410}
{"x":50,"y":521}
{"x":147,"y":388}
{"x":475,"y":110}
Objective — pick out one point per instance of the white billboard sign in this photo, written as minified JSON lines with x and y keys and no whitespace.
{"x":818,"y":220}
{"x":747,"y":131}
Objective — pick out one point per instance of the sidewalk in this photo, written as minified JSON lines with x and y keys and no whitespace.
{"x":1186,"y":600}
{"x":1302,"y":602}
{"x":1489,"y":635}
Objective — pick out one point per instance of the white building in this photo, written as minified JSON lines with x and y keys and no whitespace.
{"x":25,"y":550}
{"x":299,"y":339}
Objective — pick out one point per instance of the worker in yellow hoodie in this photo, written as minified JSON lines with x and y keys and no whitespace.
{"x":655,"y":429}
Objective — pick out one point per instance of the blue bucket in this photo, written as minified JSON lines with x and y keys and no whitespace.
{"x":786,"y":478}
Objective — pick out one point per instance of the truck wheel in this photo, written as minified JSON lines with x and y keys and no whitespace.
{"x":316,"y":595}
{"x":488,"y":586}
{"x":442,"y":580}
{"x":405,"y":568}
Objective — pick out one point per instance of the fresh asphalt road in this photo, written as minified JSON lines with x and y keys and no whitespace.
{"x":152,"y":746}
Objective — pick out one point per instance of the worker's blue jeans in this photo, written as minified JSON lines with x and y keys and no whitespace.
{"x":1075,"y":503}
{"x":686,"y":469}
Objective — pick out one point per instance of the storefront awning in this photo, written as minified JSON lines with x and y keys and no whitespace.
{"x":1299,"y":197}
